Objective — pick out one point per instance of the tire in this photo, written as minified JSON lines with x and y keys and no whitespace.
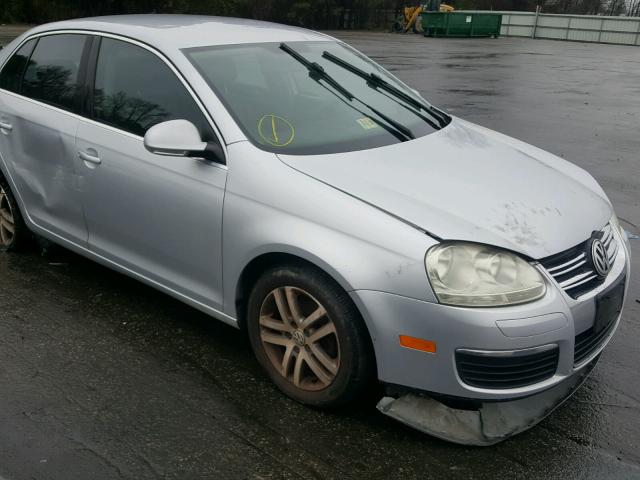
{"x":324,"y":360}
{"x":14,"y":235}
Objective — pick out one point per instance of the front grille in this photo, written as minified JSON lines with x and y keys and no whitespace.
{"x":573,"y":268}
{"x":588,"y":342}
{"x":495,"y":370}
{"x":608,"y":308}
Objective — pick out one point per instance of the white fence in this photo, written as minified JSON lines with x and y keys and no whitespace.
{"x":580,"y":28}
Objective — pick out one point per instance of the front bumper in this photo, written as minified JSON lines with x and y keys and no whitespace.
{"x":489,"y":423}
{"x":555,"y":319}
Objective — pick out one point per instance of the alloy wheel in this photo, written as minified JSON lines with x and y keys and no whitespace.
{"x":299,"y":338}
{"x":7,"y":225}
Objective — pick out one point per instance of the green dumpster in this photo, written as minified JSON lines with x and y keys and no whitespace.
{"x":461,"y":24}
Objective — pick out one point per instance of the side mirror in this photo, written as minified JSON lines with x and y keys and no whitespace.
{"x":180,"y":138}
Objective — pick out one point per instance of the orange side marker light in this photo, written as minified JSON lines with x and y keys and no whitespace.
{"x":418,"y":344}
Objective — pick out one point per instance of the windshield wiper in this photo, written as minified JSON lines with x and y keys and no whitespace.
{"x":316,"y":70}
{"x":317,"y":73}
{"x":376,"y":81}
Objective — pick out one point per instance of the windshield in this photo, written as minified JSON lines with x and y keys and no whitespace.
{"x":285,"y":105}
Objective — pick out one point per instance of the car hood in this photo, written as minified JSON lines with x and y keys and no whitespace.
{"x":466,"y":182}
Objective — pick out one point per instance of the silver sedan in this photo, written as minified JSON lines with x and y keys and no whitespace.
{"x":284,"y":183}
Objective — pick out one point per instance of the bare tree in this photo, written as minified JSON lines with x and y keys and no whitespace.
{"x":616,"y":7}
{"x":633,"y":8}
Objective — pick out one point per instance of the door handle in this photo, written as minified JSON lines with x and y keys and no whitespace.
{"x":87,"y":157}
{"x":6,"y":126}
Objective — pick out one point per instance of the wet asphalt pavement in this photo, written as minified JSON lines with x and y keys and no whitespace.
{"x":104,"y":378}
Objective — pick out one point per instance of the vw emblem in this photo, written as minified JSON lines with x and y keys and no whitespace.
{"x":600,"y":258}
{"x":298,"y":337}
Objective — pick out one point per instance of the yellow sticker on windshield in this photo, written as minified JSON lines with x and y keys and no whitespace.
{"x":367,"y":123}
{"x":276,"y":131}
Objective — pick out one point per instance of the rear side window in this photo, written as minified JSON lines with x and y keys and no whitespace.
{"x":11,"y":75}
{"x":134,"y":90}
{"x":52,"y":73}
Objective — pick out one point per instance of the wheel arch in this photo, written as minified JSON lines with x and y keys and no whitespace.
{"x":262,"y":262}
{"x":6,"y":176}
{"x":3,"y":175}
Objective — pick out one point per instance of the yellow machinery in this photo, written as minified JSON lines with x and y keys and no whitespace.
{"x":411,"y":18}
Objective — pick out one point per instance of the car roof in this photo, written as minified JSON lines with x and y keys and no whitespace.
{"x":171,"y":32}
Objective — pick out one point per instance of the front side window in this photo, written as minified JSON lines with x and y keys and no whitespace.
{"x":284,"y":105}
{"x":134,"y":90}
{"x":11,"y":75}
{"x":52,"y":73}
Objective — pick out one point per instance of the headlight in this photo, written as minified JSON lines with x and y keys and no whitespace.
{"x":473,"y":275}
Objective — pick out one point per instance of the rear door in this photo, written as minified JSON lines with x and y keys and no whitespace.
{"x":158,"y":216}
{"x":40,"y":95}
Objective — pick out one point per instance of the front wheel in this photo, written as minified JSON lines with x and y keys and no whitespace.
{"x":309,"y":337}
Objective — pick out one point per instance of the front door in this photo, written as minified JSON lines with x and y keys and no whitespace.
{"x":158,"y":216}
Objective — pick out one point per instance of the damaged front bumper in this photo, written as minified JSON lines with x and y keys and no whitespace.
{"x":490,"y":422}
{"x":497,"y":371}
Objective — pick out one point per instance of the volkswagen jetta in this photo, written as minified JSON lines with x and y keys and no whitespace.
{"x":282,"y":182}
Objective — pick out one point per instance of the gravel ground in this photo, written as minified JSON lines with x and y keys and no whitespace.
{"x":102,"y":377}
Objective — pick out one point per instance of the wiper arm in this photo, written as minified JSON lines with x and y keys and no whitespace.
{"x":317,"y":72}
{"x":376,"y":81}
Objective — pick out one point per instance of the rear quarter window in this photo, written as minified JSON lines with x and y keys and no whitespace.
{"x":13,"y":70}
